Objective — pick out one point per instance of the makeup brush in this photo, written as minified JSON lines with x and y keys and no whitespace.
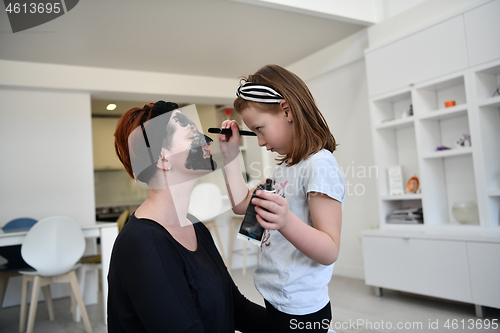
{"x":229,"y":131}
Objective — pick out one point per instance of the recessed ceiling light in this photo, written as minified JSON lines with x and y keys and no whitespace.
{"x":111,"y":107}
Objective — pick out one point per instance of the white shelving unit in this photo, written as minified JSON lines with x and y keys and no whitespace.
{"x":440,"y":257}
{"x":446,"y":176}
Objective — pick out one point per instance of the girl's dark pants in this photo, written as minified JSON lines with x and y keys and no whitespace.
{"x":317,"y":322}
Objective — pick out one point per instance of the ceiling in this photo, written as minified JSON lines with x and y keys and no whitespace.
{"x":218,"y":38}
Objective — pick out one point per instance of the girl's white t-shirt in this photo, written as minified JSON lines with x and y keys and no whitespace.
{"x":285,"y":277}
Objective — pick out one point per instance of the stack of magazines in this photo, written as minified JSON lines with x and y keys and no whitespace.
{"x":406,"y":216}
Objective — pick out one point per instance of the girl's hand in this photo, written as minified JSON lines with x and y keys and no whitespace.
{"x":276,"y":216}
{"x":230,"y":142}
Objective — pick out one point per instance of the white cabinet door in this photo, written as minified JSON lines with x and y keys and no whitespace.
{"x":482,"y":26}
{"x":484,"y":263}
{"x":429,"y":267}
{"x":433,"y":52}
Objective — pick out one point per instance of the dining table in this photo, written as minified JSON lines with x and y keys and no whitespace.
{"x":105,"y":231}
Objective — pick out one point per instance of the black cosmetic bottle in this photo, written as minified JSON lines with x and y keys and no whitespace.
{"x":250,"y":229}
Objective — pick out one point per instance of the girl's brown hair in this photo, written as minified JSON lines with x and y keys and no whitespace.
{"x":310,"y":128}
{"x":129,"y":121}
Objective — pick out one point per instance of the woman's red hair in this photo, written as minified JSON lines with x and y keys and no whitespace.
{"x":127,"y":123}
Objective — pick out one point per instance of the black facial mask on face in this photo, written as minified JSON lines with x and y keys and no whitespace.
{"x":196,"y":159}
{"x":183,"y":120}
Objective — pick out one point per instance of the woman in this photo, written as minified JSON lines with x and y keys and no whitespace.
{"x":166,"y":274}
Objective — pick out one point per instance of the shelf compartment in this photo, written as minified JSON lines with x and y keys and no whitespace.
{"x":487,"y":82}
{"x":433,"y":97}
{"x":391,"y":109}
{"x":445,"y":113}
{"x":444,"y":128}
{"x":389,"y":206}
{"x":395,"y":124}
{"x":493,"y":102}
{"x":451,"y":179}
{"x":396,"y":146}
{"x":408,"y":196}
{"x":489,"y":120}
{"x":449,"y":153}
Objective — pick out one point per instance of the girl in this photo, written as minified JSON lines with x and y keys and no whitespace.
{"x":303,"y":219}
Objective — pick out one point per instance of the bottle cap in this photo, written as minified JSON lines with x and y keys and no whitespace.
{"x":268,"y":186}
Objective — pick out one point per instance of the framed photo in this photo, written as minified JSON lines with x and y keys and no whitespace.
{"x":395,"y":180}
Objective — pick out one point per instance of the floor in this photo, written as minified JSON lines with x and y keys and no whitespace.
{"x":355,"y":309}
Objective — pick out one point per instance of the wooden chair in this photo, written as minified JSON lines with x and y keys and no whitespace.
{"x":122,"y":219}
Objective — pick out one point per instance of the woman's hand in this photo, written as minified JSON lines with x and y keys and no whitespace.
{"x":230,"y":143}
{"x":272,"y":210}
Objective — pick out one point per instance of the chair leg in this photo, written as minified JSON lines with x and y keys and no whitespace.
{"x":76,"y":291}
{"x":24,"y":304}
{"x":231,"y":244}
{"x":82,"y":272}
{"x":73,"y":305}
{"x":34,"y":303}
{"x":48,"y":300}
{"x":216,"y":232}
{"x":4,"y":281}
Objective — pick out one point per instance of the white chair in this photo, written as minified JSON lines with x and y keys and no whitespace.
{"x":52,"y":246}
{"x":205,"y":205}
{"x":236,"y":220}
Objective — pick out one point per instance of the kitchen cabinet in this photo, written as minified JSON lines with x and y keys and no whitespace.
{"x":481,"y":27}
{"x":103,"y":141}
{"x":456,"y":265}
{"x":432,"y":52}
{"x":418,"y":265}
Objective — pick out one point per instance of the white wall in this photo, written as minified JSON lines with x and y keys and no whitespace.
{"x":46,"y":162}
{"x":342,"y":96}
{"x":336,"y":77}
{"x":46,"y":154}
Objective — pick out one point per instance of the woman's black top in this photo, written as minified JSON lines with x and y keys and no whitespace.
{"x":157,"y":285}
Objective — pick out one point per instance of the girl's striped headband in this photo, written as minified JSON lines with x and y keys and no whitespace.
{"x":258,"y":93}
